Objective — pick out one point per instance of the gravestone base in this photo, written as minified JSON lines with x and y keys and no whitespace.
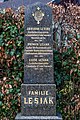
{"x":38,"y":99}
{"x":19,"y":117}
{"x":41,"y":108}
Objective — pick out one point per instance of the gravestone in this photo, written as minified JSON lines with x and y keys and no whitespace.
{"x":38,"y":92}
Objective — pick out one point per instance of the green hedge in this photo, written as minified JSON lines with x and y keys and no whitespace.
{"x":66,"y":69}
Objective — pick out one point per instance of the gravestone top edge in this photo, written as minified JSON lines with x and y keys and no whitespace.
{"x":17,"y":3}
{"x":38,"y":3}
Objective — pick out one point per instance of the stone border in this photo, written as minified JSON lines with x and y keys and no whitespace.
{"x":19,"y":117}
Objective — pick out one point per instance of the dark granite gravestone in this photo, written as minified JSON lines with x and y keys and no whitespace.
{"x":38,"y":45}
{"x":38,"y":92}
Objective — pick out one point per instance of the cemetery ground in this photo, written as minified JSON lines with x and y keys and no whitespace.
{"x":66,"y":60}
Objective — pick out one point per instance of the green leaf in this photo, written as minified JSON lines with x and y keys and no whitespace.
{"x":1,"y":103}
{"x":65,"y":63}
{"x":12,"y":52}
{"x":78,"y":36}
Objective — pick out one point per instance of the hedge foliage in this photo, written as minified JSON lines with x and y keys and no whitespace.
{"x":11,"y":42}
{"x":66,"y":62}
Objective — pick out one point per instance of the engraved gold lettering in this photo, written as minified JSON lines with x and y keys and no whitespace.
{"x":51,"y":100}
{"x":39,"y":100}
{"x":25,"y":101}
{"x":36,"y":101}
{"x":30,"y":100}
{"x":45,"y":101}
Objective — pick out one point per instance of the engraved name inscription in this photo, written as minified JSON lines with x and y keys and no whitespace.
{"x":38,"y":47}
{"x":42,"y":97}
